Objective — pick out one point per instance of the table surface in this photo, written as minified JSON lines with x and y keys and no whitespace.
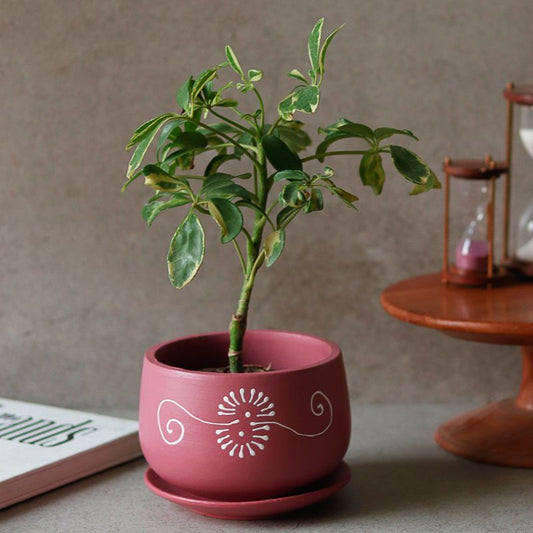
{"x":401,"y":482}
{"x":502,"y":315}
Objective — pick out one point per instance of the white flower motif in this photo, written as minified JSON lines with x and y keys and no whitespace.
{"x":250,"y":412}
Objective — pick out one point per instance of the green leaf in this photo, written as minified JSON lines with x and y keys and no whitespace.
{"x":281,"y":157}
{"x":291,"y":195}
{"x":159,"y":180}
{"x":409,"y":165}
{"x":220,"y":185}
{"x":333,"y":128}
{"x":357,"y":130}
{"x":228,"y":216}
{"x":315,"y":202}
{"x":244,"y":87}
{"x":186,"y":251}
{"x":314,"y":48}
{"x":336,"y":126}
{"x":432,"y":183}
{"x":325,"y":47}
{"x":162,"y":152}
{"x":207,"y":91}
{"x":274,"y":244}
{"x":326,"y":174}
{"x":226,"y":102}
{"x":285,"y":215}
{"x":233,"y":61}
{"x":292,"y":134}
{"x":303,"y":99}
{"x":152,"y":209}
{"x":384,"y":133}
{"x":145,"y":129}
{"x":203,"y":79}
{"x":343,"y":129}
{"x":188,"y":143}
{"x":295,"y":73}
{"x":251,"y":205}
{"x":371,"y":171}
{"x":347,"y":197}
{"x":146,"y":137}
{"x":184,"y":159}
{"x":138,"y":154}
{"x":217,"y":161}
{"x":255,"y":75}
{"x":183,"y":95}
{"x":196,"y":115}
{"x":286,"y":108}
{"x":244,"y":140}
{"x":322,"y":147}
{"x":291,"y":175}
{"x":168,"y":131}
{"x":190,"y":140}
{"x":219,"y":127}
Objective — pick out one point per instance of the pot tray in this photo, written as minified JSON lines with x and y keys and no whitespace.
{"x":250,"y":510}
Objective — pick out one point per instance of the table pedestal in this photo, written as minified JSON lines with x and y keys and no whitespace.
{"x":500,"y":433}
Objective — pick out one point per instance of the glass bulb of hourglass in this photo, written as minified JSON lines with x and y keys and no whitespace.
{"x":526,"y":128}
{"x":472,"y":252}
{"x":524,"y":250}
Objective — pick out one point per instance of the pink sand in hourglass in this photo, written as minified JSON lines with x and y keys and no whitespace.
{"x":473,"y":256}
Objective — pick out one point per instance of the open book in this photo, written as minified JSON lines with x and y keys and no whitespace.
{"x":44,"y":447}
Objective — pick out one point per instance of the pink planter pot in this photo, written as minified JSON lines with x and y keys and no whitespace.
{"x":244,"y":436}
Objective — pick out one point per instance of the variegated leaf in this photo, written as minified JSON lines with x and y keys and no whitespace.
{"x":274,"y":244}
{"x":409,"y":165}
{"x":186,"y":251}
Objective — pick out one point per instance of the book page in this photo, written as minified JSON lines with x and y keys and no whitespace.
{"x":33,"y":435}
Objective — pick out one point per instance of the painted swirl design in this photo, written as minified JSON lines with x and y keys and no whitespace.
{"x":248,"y":415}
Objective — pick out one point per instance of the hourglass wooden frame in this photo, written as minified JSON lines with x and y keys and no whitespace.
{"x":486,"y":170}
{"x":523,"y":96}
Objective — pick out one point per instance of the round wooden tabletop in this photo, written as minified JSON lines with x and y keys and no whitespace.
{"x":501,"y":315}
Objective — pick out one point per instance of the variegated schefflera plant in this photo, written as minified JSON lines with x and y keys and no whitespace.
{"x":254,"y":207}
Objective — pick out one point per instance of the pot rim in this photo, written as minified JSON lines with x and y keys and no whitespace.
{"x":334,"y":352}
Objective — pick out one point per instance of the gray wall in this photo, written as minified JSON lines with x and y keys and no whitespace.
{"x":83,"y":287}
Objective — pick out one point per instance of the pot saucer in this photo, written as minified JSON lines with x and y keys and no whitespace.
{"x":254,"y":509}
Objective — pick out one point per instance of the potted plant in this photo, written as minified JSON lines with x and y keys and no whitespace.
{"x":247,"y":416}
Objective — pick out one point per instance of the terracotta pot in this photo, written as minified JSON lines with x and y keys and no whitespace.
{"x":244,"y":436}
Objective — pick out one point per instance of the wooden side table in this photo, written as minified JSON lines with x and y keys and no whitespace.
{"x":500,"y":433}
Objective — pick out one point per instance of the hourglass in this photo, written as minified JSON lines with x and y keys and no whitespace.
{"x":522,"y":259}
{"x":473,"y":253}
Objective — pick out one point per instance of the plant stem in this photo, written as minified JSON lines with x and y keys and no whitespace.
{"x":229,"y":121}
{"x":273,"y":127}
{"x":237,"y":326}
{"x":237,"y":329}
{"x":255,"y":258}
{"x":262,"y":106}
